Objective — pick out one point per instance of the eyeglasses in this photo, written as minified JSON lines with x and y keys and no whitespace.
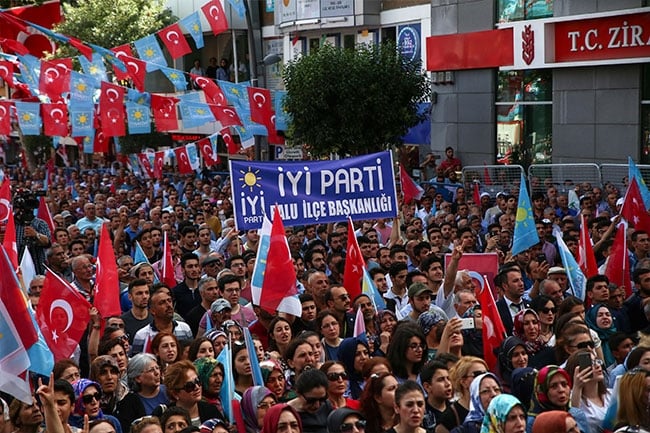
{"x":333,"y":377}
{"x":124,"y":337}
{"x":349,"y":426}
{"x":265,"y":405}
{"x":584,"y":345}
{"x":191,"y":386}
{"x":88,"y":398}
{"x":548,"y":310}
{"x":416,"y":346}
{"x":313,"y":400}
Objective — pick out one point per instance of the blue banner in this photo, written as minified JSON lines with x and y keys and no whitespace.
{"x":310,"y":192}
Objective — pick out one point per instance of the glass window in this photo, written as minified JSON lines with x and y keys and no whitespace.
{"x":524,"y":117}
{"x":517,"y":10}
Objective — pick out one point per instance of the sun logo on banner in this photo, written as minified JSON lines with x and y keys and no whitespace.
{"x":250,"y":179}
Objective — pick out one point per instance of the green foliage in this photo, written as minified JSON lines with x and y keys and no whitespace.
{"x":110,"y":23}
{"x":353,"y":101}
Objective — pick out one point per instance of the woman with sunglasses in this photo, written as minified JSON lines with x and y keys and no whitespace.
{"x":589,"y":393}
{"x":338,"y":385}
{"x":546,"y":311}
{"x":255,"y":403}
{"x":573,"y":337}
{"x":345,"y":420}
{"x":526,"y":326}
{"x":88,"y":395}
{"x":599,"y":319}
{"x":378,"y":402}
{"x":353,"y":354}
{"x":406,"y":351}
{"x":461,"y":375}
{"x":184,"y":390}
{"x":482,"y":390}
{"x":146,"y":391}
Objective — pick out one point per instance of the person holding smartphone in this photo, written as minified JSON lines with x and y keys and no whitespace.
{"x":589,"y":393}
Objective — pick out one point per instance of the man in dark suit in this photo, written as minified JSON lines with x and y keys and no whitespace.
{"x":511,"y":285}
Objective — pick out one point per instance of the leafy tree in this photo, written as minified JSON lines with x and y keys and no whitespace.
{"x":353,"y":101}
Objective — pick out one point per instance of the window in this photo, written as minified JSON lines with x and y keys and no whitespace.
{"x":645,"y":116}
{"x":524,"y":106}
{"x":517,"y":10}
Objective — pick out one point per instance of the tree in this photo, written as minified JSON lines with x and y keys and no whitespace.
{"x":353,"y":101}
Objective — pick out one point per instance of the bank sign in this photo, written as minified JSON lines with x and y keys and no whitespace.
{"x":312,"y":192}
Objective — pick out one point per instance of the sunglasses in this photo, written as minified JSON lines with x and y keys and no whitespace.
{"x":191,"y":386}
{"x":585,"y":345}
{"x":333,"y":377}
{"x":349,"y":426}
{"x":548,"y":310}
{"x":313,"y":400}
{"x":88,"y":398}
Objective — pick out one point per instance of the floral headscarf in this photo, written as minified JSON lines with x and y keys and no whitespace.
{"x":532,"y":347}
{"x":603,"y":334}
{"x":476,"y":411}
{"x":79,"y":387}
{"x":540,"y":400}
{"x":252,"y":397}
{"x":204,"y":369}
{"x":497,"y":413}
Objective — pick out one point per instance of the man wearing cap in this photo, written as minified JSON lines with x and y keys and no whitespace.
{"x":105,"y":371}
{"x":218,"y":313}
{"x":212,"y":264}
{"x":419,"y":295}
{"x":558,"y":274}
{"x":137,"y":317}
{"x":209,"y":292}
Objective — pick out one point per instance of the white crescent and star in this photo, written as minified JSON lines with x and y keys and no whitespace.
{"x":60,"y":303}
{"x":52,"y":74}
{"x":110,"y":92}
{"x":3,"y":111}
{"x":4,"y":71}
{"x":214,"y":12}
{"x":169,"y":34}
{"x":5,"y":208}
{"x":133,"y":66}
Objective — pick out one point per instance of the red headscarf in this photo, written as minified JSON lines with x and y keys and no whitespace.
{"x":272,"y":417}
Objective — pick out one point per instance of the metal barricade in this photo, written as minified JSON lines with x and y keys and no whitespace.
{"x":564,"y":177}
{"x":617,"y":174}
{"x":492,"y":178}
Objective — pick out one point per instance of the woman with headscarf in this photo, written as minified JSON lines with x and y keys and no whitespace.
{"x":555,"y":421}
{"x":523,"y":384}
{"x":255,"y":403}
{"x":552,"y":392}
{"x":505,"y":414}
{"x":599,"y":318}
{"x":482,"y":390}
{"x":88,"y":394}
{"x":282,"y":417}
{"x":527,"y":328}
{"x":512,"y":354}
{"x":353,"y":354}
{"x":273,"y":376}
{"x":210,"y":372}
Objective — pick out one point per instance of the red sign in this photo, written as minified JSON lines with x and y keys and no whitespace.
{"x":485,"y":49}
{"x":617,"y":37}
{"x":479,"y":265}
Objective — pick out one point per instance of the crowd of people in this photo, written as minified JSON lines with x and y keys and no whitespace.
{"x":420,"y":367}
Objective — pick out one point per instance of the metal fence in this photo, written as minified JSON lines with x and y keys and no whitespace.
{"x":564,"y":177}
{"x":492,"y":178}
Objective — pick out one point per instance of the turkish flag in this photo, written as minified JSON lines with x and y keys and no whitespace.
{"x":183,"y":160}
{"x":146,"y":165}
{"x":274,"y":137}
{"x":410,"y":190}
{"x":354,"y":264}
{"x":233,"y":147}
{"x":168,"y":276}
{"x":55,"y":119}
{"x":43,"y":212}
{"x":7,"y":72}
{"x":213,"y":93}
{"x":173,"y":38}
{"x":63,"y":315}
{"x":15,"y":303}
{"x":158,"y":163}
{"x":5,"y":117}
{"x":83,"y":48}
{"x":55,"y":77}
{"x":100,"y":143}
{"x":476,"y":195}
{"x":586,"y":257}
{"x":279,"y":275}
{"x":5,"y":201}
{"x":618,"y":262}
{"x":123,"y":53}
{"x":261,"y":104}
{"x":112,"y":120}
{"x":227,"y":116}
{"x":634,"y":210}
{"x":12,"y":46}
{"x":9,"y":241}
{"x":215,"y":16}
{"x":107,"y":285}
{"x":111,"y":95}
{"x":210,"y":156}
{"x":137,"y":70}
{"x":493,"y":330}
{"x":164,"y":112}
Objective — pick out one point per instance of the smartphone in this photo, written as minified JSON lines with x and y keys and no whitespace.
{"x":541,"y":258}
{"x":468,"y":323}
{"x":584,"y":361}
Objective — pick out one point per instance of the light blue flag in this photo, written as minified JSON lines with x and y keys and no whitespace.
{"x":577,"y":279}
{"x":141,"y":98}
{"x":139,"y":118}
{"x":195,"y":114}
{"x":176,"y":77}
{"x":252,"y":127}
{"x":236,"y":93}
{"x":193,"y":155}
{"x":109,"y":56}
{"x":88,"y":143}
{"x":94,"y":68}
{"x":81,"y":119}
{"x":245,"y":135}
{"x":525,"y":232}
{"x":118,"y":150}
{"x":258,"y":380}
{"x":29,"y":65}
{"x":149,"y":51}
{"x":29,"y":117}
{"x":368,"y":288}
{"x":192,"y":25}
{"x":82,"y":87}
{"x":635,"y":173}
{"x":228,"y":386}
{"x":135,"y":164}
{"x":282,"y":117}
{"x":138,"y":254}
{"x":239,"y":6}
{"x":189,"y":97}
{"x":208,"y":323}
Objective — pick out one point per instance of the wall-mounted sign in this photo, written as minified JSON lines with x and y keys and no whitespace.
{"x":408,"y":41}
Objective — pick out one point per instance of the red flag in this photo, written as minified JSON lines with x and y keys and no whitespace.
{"x":83,"y":48}
{"x":618,"y":262}
{"x":107,"y":286}
{"x":227,"y":116}
{"x":43,"y":213}
{"x":633,"y":209}
{"x":354,"y":264}
{"x":7,"y":72}
{"x":124,"y":53}
{"x":486,"y":176}
{"x":55,"y":119}
{"x":111,"y":95}
{"x":183,"y":160}
{"x":55,"y":77}
{"x":101,"y":142}
{"x":215,"y":16}
{"x":10,"y":45}
{"x":5,"y":117}
{"x":168,"y":277}
{"x":210,"y":157}
{"x":158,"y":162}
{"x":279,"y":275}
{"x":112,"y":121}
{"x":274,"y":137}
{"x":493,"y":330}
{"x":477,"y":195}
{"x":233,"y":147}
{"x":410,"y":189}
{"x":145,"y":164}
{"x":586,"y":257}
{"x":164,"y":112}
{"x":137,"y":70}
{"x":261,"y":104}
{"x":213,"y":93}
{"x":9,"y":241}
{"x":14,"y":301}
{"x":172,"y":37}
{"x":63,"y":315}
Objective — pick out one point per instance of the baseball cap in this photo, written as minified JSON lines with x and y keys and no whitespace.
{"x":210,"y":259}
{"x":431,"y":318}
{"x":556,"y":270}
{"x":66,"y":214}
{"x":219,"y":305}
{"x":417,"y":289}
